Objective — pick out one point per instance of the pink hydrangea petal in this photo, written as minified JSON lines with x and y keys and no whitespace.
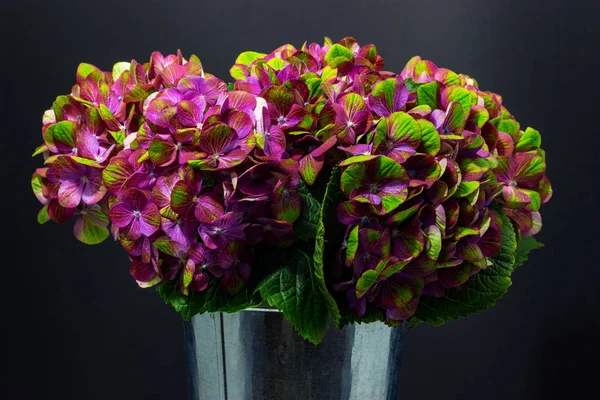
{"x":70,"y":193}
{"x":121,"y":215}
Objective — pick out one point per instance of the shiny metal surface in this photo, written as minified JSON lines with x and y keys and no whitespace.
{"x":256,"y":354}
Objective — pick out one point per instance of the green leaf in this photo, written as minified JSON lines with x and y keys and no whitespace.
{"x":212,"y":299}
{"x":186,"y":306}
{"x":327,"y":218}
{"x":217,"y":300}
{"x":43,"y":215}
{"x":412,"y":323}
{"x":526,"y":245}
{"x":372,"y":314}
{"x":306,"y":226}
{"x":294,"y":290}
{"x":427,"y":94}
{"x":484,"y":290}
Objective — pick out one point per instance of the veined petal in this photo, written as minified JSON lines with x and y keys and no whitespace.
{"x":218,"y":139}
{"x":149,"y":222}
{"x":352,"y":177}
{"x":402,"y":127}
{"x":433,"y":243}
{"x":280,"y":97}
{"x":162,"y":151}
{"x":506,"y":169}
{"x":69,"y":193}
{"x":310,"y":168}
{"x":530,"y":169}
{"x":65,"y":169}
{"x":470,"y":252}
{"x":208,"y":209}
{"x":515,"y":197}
{"x":59,"y":213}
{"x":455,"y":276}
{"x":240,"y":121}
{"x":396,"y":291}
{"x":286,"y":203}
{"x":93,"y":190}
{"x":231,"y":159}
{"x":121,"y":215}
{"x":90,"y":227}
{"x":191,"y":113}
{"x":239,"y":100}
{"x":141,"y":272}
{"x":182,"y":197}
{"x":407,"y":241}
{"x":274,"y":143}
{"x":505,"y":145}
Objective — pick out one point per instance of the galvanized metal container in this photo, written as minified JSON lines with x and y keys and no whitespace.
{"x":256,"y":354}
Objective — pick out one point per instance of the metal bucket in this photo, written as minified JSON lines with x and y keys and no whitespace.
{"x":256,"y":354}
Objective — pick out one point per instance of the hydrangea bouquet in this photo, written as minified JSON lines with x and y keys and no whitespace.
{"x":316,"y":182}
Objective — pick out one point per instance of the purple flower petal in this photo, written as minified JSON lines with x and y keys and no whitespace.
{"x":274,"y":143}
{"x":191,"y":113}
{"x":70,"y":192}
{"x":208,"y":208}
{"x":94,"y":189}
{"x":121,"y":215}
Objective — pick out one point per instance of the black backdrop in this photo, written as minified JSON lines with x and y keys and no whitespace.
{"x":76,"y":326}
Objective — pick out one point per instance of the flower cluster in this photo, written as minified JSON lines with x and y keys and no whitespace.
{"x":171,"y":157}
{"x":425,"y":155}
{"x":197,"y":176}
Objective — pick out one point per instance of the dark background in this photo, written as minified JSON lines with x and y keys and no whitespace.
{"x":76,"y":326}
